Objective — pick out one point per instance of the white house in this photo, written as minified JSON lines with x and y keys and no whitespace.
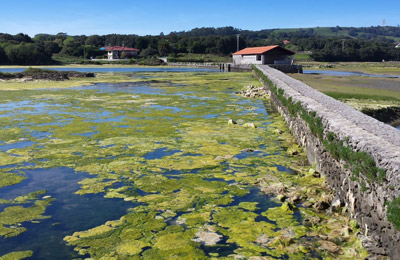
{"x":118,"y":52}
{"x":274,"y":54}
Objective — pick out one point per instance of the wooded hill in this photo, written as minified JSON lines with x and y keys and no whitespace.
{"x":325,"y":43}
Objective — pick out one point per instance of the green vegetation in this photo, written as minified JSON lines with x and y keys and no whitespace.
{"x":355,"y":87}
{"x":11,"y":218}
{"x":204,"y":45}
{"x":345,"y":96}
{"x":352,"y":32}
{"x":389,"y":115}
{"x":302,"y":57}
{"x":385,"y":68}
{"x":24,"y":53}
{"x":201,"y":58}
{"x":393,"y":212}
{"x":16,"y":255}
{"x":67,"y":59}
{"x":361,"y":163}
{"x":8,"y":179}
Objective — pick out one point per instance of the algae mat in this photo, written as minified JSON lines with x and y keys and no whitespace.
{"x":152,"y":170}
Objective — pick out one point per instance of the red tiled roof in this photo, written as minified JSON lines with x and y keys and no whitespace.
{"x":259,"y":50}
{"x":119,"y":48}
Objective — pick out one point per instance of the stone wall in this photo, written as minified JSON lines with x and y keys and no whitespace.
{"x":365,"y":202}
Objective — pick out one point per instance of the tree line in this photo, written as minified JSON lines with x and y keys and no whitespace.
{"x":357,"y":44}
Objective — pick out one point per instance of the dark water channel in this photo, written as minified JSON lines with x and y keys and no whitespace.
{"x":69,"y":213}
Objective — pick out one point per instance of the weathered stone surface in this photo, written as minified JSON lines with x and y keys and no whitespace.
{"x":382,"y":142}
{"x":321,"y":205}
{"x":336,"y":204}
{"x":207,"y":236}
{"x":253,"y":92}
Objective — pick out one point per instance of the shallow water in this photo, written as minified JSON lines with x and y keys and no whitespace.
{"x":347,"y":73}
{"x":69,"y":212}
{"x":18,"y":145}
{"x":112,"y":69}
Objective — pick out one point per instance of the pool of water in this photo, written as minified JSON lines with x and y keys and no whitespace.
{"x":122,"y":88}
{"x":18,"y":145}
{"x":111,"y":69}
{"x":347,"y":73}
{"x":69,"y":212}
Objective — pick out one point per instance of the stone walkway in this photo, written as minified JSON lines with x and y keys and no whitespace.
{"x":367,"y":134}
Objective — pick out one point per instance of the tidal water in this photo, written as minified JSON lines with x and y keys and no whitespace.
{"x":347,"y":73}
{"x":109,"y":69}
{"x":69,"y":212}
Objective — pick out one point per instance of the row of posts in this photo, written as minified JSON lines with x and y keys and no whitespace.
{"x":222,"y":67}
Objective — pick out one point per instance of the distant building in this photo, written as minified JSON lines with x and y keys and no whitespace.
{"x":274,"y":54}
{"x":286,"y":42}
{"x":118,"y":52}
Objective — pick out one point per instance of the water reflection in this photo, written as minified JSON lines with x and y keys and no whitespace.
{"x":69,"y":212}
{"x":347,"y":73}
{"x":19,"y":145}
{"x":112,"y":69}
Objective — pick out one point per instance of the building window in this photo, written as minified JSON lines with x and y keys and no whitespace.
{"x":258,"y":57}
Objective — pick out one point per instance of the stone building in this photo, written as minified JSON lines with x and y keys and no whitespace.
{"x":266,"y":55}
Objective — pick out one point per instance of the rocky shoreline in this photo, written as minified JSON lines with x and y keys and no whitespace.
{"x":253,"y":92}
{"x":43,"y":74}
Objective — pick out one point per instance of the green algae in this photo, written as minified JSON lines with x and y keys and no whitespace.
{"x":12,"y":217}
{"x":213,"y":165}
{"x":11,"y":231}
{"x":250,"y":206}
{"x":7,"y":179}
{"x":24,"y":198}
{"x":283,"y":216}
{"x":17,"y":255}
{"x":17,"y":214}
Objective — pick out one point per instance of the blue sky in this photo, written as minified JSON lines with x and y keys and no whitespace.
{"x":88,"y":17}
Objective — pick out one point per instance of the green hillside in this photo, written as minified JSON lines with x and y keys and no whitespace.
{"x":389,"y":32}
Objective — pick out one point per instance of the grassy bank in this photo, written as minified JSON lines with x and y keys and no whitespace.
{"x":359,"y":92}
{"x":385,"y":68}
